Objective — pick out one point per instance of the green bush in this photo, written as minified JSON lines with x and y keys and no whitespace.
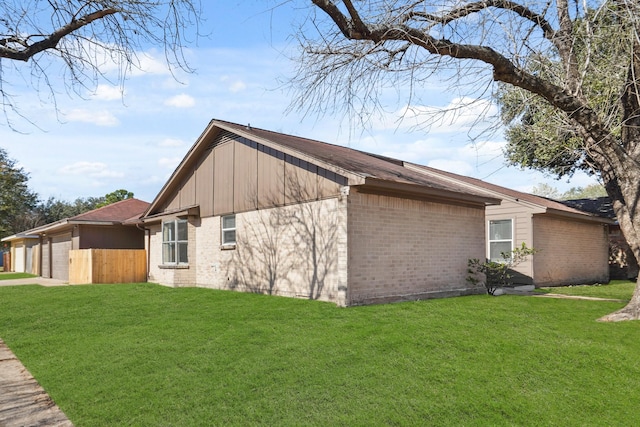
{"x":496,"y":274}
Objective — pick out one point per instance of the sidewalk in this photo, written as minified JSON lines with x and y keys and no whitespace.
{"x":23,"y":402}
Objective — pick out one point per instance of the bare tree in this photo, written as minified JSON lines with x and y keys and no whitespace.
{"x":86,"y":38}
{"x":545,"y":49}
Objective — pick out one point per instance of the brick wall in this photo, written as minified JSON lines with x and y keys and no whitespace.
{"x":408,"y":249}
{"x":570,"y":252}
{"x":298,"y":251}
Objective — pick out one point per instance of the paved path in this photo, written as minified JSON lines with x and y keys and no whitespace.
{"x":33,"y":281}
{"x":23,"y":402}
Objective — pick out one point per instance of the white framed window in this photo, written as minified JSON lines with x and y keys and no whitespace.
{"x":500,"y":238}
{"x":175,"y":239}
{"x":228,"y":230}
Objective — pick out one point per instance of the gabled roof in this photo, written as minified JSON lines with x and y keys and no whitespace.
{"x":546,"y":204}
{"x":113,"y":214}
{"x":118,"y":211}
{"x":360,"y":168}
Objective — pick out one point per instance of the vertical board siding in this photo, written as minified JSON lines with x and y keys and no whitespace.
{"x":270,"y":179}
{"x":223,"y":179}
{"x":188,"y":191}
{"x":235,"y":175}
{"x":245,"y":178}
{"x":204,"y":187}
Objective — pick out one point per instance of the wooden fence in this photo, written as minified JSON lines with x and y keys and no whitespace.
{"x":107,"y":266}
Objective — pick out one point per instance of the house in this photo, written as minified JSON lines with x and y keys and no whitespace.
{"x":23,"y":251}
{"x":622,"y":262}
{"x":47,"y":250}
{"x":572,"y":244}
{"x":260,"y":211}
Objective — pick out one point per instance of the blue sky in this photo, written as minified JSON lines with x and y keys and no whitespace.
{"x":134,"y":140}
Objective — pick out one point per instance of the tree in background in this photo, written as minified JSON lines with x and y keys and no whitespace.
{"x":115,"y":196}
{"x":16,"y":200}
{"x":86,"y":38}
{"x":577,"y":63}
{"x":589,"y":192}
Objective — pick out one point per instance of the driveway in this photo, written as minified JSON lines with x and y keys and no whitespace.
{"x":33,"y":281}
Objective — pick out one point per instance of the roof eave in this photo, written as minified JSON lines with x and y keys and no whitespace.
{"x":374,"y":185}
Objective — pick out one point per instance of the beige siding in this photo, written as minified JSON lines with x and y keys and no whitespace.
{"x":245,"y":178}
{"x":570,"y":252}
{"x":238,"y":175}
{"x":188,"y":190}
{"x":408,"y":249}
{"x":223,"y":179}
{"x":204,"y":188}
{"x":521,"y":214}
{"x":270,"y":179}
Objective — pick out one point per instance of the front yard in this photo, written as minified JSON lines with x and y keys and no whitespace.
{"x":146,"y":355}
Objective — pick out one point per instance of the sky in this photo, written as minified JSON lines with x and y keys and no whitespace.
{"x":133,"y":138}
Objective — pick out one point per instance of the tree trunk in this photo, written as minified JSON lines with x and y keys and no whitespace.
{"x":623,"y":188}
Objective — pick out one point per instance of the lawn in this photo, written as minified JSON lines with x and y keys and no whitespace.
{"x":11,"y":276}
{"x":145,"y":355}
{"x":616,"y":289}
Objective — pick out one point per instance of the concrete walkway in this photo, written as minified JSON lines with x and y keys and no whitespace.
{"x":33,"y":281}
{"x":23,"y":402}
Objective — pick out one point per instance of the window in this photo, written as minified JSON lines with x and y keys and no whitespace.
{"x":500,"y":238}
{"x":174,"y":242}
{"x":228,"y":230}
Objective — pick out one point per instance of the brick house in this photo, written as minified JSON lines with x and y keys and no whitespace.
{"x":258,"y":211}
{"x":45,"y":250}
{"x":622,"y":262}
{"x":572,"y":242}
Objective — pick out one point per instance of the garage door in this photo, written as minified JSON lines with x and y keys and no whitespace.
{"x":45,"y":258}
{"x":60,"y":247}
{"x":18,"y":261}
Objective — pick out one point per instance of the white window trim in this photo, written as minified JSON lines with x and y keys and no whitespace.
{"x":489,"y":241}
{"x":175,"y":242}
{"x":223,"y":243}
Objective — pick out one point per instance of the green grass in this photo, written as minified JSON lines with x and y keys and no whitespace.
{"x":11,"y":276}
{"x":616,"y":289}
{"x":145,"y":355}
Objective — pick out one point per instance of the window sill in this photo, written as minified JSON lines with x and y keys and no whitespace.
{"x":173,"y":266}
{"x":228,"y":247}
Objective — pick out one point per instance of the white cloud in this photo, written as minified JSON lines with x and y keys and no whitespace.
{"x":169,"y":162}
{"x":456,"y":166}
{"x":98,"y":118}
{"x":180,"y":101}
{"x":237,"y":86}
{"x":108,"y":93}
{"x":234,"y":85}
{"x":460,"y":115}
{"x":171,"y":142}
{"x":147,"y":63}
{"x":90,"y":169}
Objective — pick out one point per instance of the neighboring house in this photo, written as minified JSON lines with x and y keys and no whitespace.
{"x":260,"y":211}
{"x":23,"y":251}
{"x":572,"y":245}
{"x":622,"y":262}
{"x":102,"y":228}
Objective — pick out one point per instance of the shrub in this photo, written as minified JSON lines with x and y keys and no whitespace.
{"x":497,"y":274}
